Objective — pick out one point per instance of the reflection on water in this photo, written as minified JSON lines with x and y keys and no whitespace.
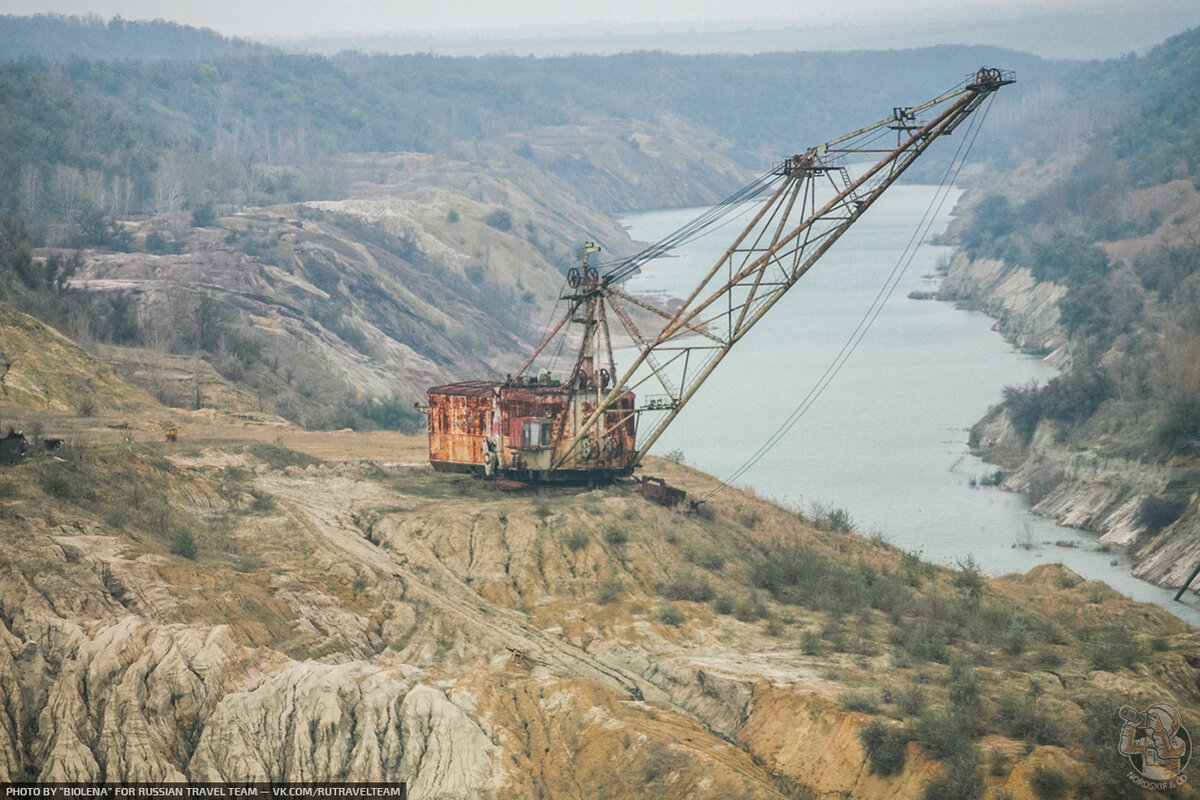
{"x":887,"y":439}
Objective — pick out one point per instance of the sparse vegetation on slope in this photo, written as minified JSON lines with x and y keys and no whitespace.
{"x":575,"y":635}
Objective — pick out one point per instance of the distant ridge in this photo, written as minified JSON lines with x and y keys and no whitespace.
{"x":58,"y":37}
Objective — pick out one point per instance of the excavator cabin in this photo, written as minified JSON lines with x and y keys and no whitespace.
{"x":520,"y":429}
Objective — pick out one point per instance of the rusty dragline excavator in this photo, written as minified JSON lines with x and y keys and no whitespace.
{"x":584,"y":426}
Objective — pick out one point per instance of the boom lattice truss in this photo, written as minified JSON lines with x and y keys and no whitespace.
{"x":811,"y":200}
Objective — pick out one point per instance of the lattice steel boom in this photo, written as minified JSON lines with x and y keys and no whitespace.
{"x":814,"y":200}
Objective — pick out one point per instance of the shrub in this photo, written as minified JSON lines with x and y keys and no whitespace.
{"x":1021,"y":717}
{"x":156,"y":243}
{"x":500,"y":219}
{"x":674,"y":456}
{"x":687,"y":585}
{"x":961,"y":780}
{"x":475,"y":274}
{"x":262,"y":503}
{"x":911,"y":701}
{"x":56,"y":481}
{"x":885,"y":747}
{"x":183,"y":543}
{"x":1071,"y":399}
{"x":616,"y":537}
{"x":811,"y":644}
{"x":749,"y":609}
{"x":669,"y":614}
{"x":723,"y":604}
{"x":609,"y":591}
{"x":912,"y":567}
{"x":992,"y":478}
{"x":838,"y":519}
{"x":969,"y":578}
{"x":1045,"y":658}
{"x":1016,"y":638}
{"x":1113,"y":649}
{"x":963,"y":687}
{"x":1070,"y":258}
{"x":203,"y":216}
{"x":923,"y":641}
{"x":1157,"y":513}
{"x":856,"y":701}
{"x":1048,"y":784}
{"x":946,"y":734}
{"x":575,"y":540}
{"x":709,"y":559}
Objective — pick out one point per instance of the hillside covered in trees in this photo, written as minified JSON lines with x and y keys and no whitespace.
{"x":258,"y":128}
{"x":1113,"y":224}
{"x":170,"y":211}
{"x":116,"y":159}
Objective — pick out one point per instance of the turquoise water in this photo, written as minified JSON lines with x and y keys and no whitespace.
{"x":886,"y":441}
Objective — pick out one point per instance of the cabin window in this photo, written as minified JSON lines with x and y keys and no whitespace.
{"x":537,"y":433}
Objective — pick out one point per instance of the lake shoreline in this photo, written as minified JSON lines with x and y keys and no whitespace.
{"x":887,"y":439}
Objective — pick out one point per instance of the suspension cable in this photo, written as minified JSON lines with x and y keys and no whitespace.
{"x":690,"y":231}
{"x":872,"y":313}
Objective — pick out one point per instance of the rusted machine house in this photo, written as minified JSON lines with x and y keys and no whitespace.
{"x":521,"y":428}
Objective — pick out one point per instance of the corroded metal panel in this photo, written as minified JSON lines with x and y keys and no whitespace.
{"x":661,"y":492}
{"x":526,"y":427}
{"x":458,"y":423}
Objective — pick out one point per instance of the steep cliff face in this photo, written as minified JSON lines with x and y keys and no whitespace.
{"x":1086,"y":482}
{"x":1025,"y":310}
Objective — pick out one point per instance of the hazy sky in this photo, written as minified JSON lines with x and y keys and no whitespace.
{"x":287,"y":18}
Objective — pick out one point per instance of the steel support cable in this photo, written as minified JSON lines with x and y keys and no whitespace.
{"x":856,"y":336}
{"x":695,"y":230}
{"x":621,"y":269}
{"x":847,"y":350}
{"x":544,"y":340}
{"x":686,"y":233}
{"x":706,"y":222}
{"x":562,"y":342}
{"x":705,"y":219}
{"x":868,"y":319}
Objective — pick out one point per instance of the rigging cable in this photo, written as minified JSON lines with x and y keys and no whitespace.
{"x":706,"y":223}
{"x":856,"y":336}
{"x":619,"y":270}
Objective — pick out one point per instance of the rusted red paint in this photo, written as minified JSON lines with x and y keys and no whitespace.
{"x":465,"y":416}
